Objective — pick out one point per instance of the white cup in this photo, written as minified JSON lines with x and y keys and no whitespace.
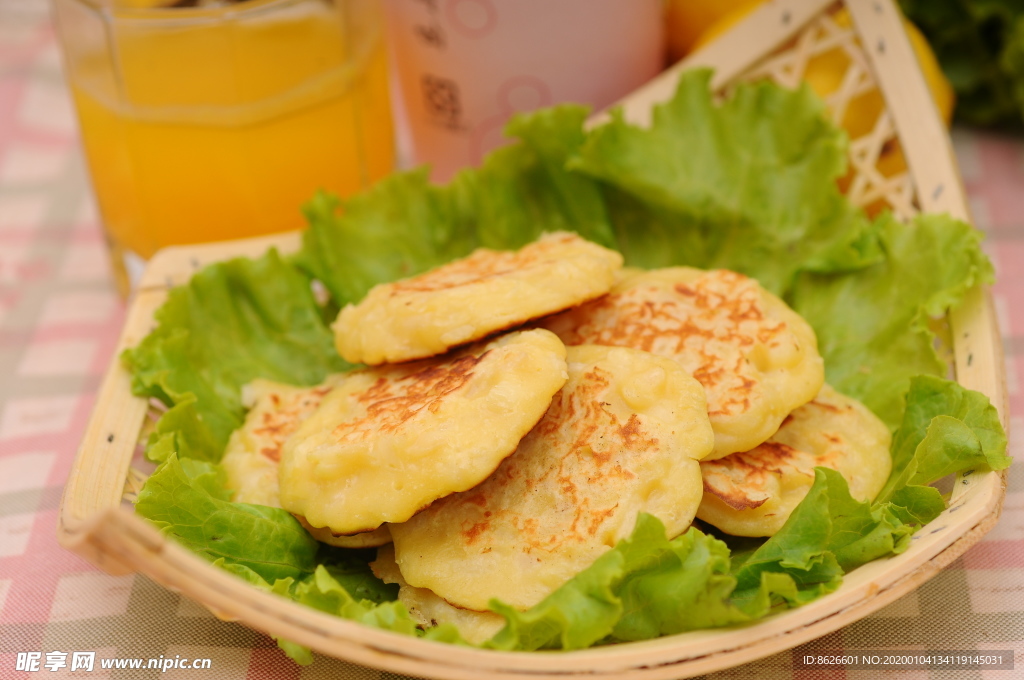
{"x":464,"y":67}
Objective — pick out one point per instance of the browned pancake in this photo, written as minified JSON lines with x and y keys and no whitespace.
{"x":390,"y":440}
{"x":755,"y":357}
{"x":754,"y":492}
{"x":471,"y":298}
{"x":254,"y":450}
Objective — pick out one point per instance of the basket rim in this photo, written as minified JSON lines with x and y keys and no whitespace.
{"x":129,"y":539}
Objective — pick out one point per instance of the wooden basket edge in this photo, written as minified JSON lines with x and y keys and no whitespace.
{"x":129,"y":543}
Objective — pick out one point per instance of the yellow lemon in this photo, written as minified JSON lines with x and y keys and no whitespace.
{"x":688,"y":20}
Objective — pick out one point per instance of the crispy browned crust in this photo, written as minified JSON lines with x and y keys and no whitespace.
{"x":688,"y":325}
{"x":599,"y":436}
{"x":739,"y":478}
{"x":391,"y":402}
{"x":480,"y":266}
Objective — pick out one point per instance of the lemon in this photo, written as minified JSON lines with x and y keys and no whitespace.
{"x":688,"y":20}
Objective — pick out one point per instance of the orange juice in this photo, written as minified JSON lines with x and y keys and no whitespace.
{"x":209,"y":124}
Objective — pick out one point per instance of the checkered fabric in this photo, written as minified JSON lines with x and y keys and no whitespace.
{"x":59,"y":321}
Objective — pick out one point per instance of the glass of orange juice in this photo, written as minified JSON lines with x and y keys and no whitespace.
{"x":204,"y":121}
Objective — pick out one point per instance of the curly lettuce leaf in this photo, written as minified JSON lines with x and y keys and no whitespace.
{"x":323,"y":590}
{"x":748,"y":185}
{"x":644,"y":587}
{"x":347,"y":590}
{"x":195,"y":353}
{"x":405,"y":225}
{"x":685,"y":584}
{"x":351,"y":569}
{"x":946,"y":428}
{"x":182,"y":431}
{"x":578,"y":614}
{"x":872,"y":326}
{"x":282,"y":587}
{"x":828,"y":534}
{"x":186,"y":500}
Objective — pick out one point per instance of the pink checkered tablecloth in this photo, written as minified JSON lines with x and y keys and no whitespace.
{"x":59,"y":321}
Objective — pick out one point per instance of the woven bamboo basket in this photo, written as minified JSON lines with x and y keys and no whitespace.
{"x":776,"y":41}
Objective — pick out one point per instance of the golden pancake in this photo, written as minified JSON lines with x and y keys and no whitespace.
{"x":622,"y":437}
{"x":254,"y":450}
{"x":756,"y":358}
{"x":753,"y":493}
{"x":388,"y":441}
{"x":471,"y":298}
{"x":429,"y":610}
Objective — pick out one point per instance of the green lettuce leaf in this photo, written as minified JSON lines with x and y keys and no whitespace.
{"x":946,"y":428}
{"x":322,"y":590}
{"x":339,"y":589}
{"x":233,"y":322}
{"x":186,"y":500}
{"x":282,"y":587}
{"x":749,"y":184}
{"x":181,"y":430}
{"x":828,"y":534}
{"x":351,"y":569}
{"x":684,"y":584}
{"x":578,"y":614}
{"x":644,"y":587}
{"x":405,"y":225}
{"x":872,"y":326}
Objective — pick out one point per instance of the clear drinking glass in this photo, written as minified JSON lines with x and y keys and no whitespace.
{"x":207,"y":121}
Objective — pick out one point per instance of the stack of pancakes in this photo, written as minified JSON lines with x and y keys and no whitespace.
{"x":522,"y":408}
